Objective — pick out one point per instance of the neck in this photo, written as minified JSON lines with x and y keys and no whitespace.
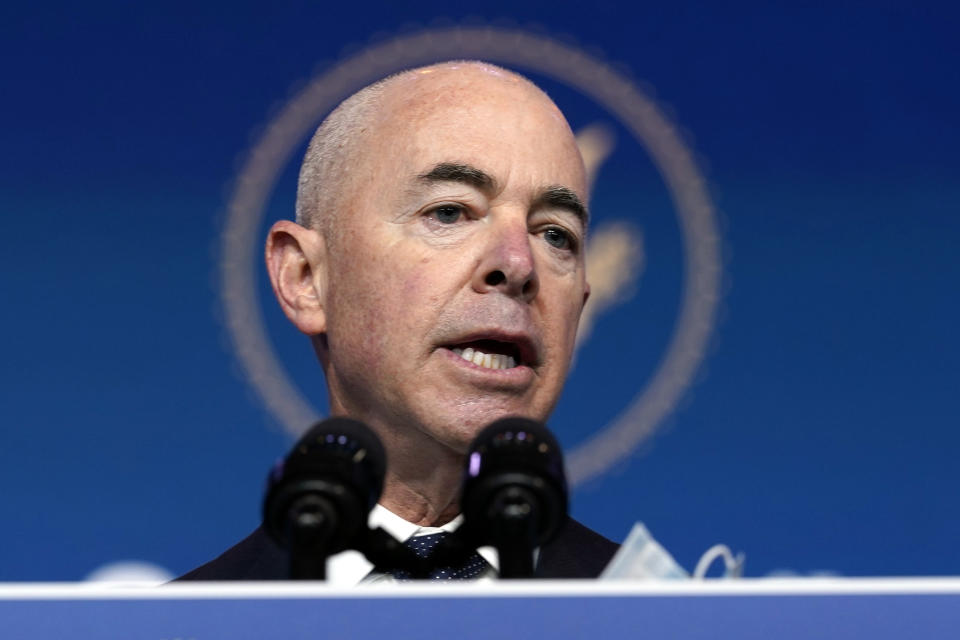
{"x":418,"y":506}
{"x":423,"y":478}
{"x":422,"y":483}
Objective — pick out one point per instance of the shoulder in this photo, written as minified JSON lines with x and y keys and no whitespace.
{"x":576,"y":552}
{"x":256,"y":557}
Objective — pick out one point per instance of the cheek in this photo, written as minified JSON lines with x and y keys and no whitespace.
{"x":357,"y":314}
{"x":563,"y":317}
{"x":359,"y":336}
{"x":383,"y":318}
{"x":419,"y":293}
{"x":417,"y":285}
{"x":564,"y":295}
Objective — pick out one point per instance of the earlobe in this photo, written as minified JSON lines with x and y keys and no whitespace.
{"x":296,"y":259}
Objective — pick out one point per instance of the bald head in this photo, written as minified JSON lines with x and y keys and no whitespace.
{"x":331,"y":155}
{"x":334,"y":164}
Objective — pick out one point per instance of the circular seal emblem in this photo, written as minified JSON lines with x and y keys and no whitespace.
{"x":621,"y":98}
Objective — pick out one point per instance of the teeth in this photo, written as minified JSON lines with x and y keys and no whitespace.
{"x":486,"y":360}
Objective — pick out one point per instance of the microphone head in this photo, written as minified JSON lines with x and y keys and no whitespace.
{"x":515,"y":452}
{"x":339,"y":460}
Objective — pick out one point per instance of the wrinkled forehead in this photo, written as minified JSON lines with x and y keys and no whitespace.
{"x":443,"y":91}
{"x":478,"y":114}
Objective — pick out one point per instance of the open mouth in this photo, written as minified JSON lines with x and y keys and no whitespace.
{"x":490,"y":354}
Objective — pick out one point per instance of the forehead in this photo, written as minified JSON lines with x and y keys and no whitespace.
{"x":486,"y":118}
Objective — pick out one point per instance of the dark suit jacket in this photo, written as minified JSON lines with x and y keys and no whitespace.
{"x":576,"y":552}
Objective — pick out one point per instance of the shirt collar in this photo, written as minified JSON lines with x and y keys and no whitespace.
{"x":348,"y":568}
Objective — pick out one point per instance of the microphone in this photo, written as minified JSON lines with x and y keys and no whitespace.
{"x":514,"y":491}
{"x":319,"y":497}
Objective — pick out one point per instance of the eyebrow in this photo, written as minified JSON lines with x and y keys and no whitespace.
{"x":561,"y":197}
{"x":557,"y":196}
{"x":455,"y":172}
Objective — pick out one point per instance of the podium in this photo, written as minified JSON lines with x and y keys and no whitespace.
{"x":782,"y":609}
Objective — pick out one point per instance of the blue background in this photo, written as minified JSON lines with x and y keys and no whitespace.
{"x":820,"y":435}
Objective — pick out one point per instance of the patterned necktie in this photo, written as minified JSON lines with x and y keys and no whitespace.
{"x":471,"y":568}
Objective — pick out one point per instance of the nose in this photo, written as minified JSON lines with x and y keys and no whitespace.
{"x":507,"y":264}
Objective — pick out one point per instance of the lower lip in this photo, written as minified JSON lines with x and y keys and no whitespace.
{"x":520,"y":374}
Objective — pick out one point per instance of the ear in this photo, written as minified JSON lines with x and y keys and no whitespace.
{"x":586,"y":295}
{"x":296,"y":262}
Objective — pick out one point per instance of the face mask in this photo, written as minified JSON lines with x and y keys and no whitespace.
{"x":642,"y":558}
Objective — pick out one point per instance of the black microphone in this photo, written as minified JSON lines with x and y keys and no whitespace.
{"x":514,"y":492}
{"x":319,"y":497}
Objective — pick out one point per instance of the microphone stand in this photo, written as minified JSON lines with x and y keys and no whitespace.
{"x":513,"y":527}
{"x":310,"y":524}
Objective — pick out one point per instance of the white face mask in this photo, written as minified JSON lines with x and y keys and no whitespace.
{"x":643,"y":558}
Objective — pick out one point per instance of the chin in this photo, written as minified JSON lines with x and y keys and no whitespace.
{"x":458,"y":430}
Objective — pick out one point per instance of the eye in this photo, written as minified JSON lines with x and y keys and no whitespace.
{"x":559,"y":238}
{"x":447,"y":213}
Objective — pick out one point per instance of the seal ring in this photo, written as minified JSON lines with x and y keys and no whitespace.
{"x":639,"y":114}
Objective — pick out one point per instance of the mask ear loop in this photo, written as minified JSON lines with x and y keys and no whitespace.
{"x":733,"y":564}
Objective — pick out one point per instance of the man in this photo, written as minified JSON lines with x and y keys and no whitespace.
{"x":437,"y":265}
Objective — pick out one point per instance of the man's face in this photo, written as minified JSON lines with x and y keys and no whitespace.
{"x":461,"y":236}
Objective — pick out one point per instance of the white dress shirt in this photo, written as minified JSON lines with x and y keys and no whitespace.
{"x":349,"y":568}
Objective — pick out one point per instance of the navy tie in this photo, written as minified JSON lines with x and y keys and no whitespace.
{"x":423,"y":546}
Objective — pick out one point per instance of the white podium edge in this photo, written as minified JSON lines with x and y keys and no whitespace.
{"x":504,"y":589}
